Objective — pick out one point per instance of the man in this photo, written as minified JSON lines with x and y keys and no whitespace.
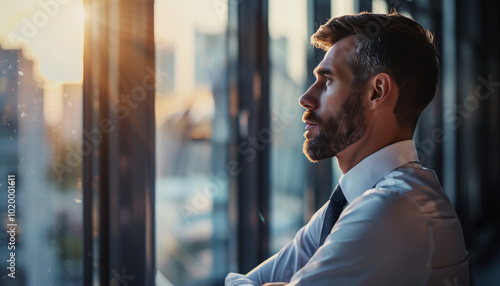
{"x":388,"y":222}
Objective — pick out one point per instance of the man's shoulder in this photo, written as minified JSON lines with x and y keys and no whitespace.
{"x":411,"y":180}
{"x":410,"y":205}
{"x":382,"y":203}
{"x":408,"y":191}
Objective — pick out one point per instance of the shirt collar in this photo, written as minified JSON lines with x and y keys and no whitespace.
{"x":371,"y":169}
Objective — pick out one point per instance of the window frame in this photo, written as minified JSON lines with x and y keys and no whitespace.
{"x":119,"y":183}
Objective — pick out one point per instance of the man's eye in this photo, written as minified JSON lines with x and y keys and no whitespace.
{"x":328,"y":80}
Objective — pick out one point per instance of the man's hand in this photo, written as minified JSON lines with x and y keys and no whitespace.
{"x":275,"y":284}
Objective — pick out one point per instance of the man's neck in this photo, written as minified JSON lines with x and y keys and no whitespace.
{"x":366,"y":146}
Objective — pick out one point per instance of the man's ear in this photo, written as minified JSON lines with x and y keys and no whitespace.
{"x":383,"y":90}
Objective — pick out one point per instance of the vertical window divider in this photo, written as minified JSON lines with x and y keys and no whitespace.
{"x":119,"y":123}
{"x":252,"y":144}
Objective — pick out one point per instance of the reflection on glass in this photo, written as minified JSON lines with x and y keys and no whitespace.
{"x":40,"y":142}
{"x":191,"y":131}
{"x":288,"y":44}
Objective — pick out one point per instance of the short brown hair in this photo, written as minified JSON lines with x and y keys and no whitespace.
{"x":392,"y":44}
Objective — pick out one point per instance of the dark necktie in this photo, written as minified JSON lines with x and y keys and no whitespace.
{"x":335,"y":207}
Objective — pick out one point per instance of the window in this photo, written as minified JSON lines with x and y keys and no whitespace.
{"x":192,"y":137}
{"x":40,"y":142}
{"x":288,"y":65}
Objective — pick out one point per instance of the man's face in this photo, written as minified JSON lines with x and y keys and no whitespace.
{"x":335,"y":115}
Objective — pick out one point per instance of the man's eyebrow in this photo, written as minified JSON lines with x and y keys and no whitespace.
{"x":323,"y":71}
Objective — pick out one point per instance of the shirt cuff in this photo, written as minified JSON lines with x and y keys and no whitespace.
{"x":236,"y":279}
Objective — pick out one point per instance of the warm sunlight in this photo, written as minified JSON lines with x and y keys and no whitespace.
{"x":49,"y":32}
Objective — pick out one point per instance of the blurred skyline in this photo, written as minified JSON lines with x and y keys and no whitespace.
{"x":49,"y":33}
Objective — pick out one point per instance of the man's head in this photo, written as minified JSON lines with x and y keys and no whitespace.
{"x":372,"y":62}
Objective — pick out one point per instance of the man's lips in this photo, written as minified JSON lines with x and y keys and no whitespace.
{"x":310,"y":124}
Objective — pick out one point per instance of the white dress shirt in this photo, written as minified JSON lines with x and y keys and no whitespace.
{"x":399,"y":228}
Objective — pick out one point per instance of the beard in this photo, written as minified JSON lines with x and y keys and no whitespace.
{"x":336,"y":132}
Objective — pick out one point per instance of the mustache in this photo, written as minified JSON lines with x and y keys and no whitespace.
{"x":311,"y":116}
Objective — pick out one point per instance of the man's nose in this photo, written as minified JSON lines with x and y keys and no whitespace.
{"x":309,"y":100}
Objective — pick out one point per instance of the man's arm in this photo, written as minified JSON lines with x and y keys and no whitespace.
{"x":283,"y":265}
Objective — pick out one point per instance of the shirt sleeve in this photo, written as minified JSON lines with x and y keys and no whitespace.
{"x":380,"y":239}
{"x":283,"y":265}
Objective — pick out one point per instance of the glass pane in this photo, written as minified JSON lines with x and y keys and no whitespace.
{"x":192,"y":133}
{"x":41,"y":142}
{"x":288,"y":55}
